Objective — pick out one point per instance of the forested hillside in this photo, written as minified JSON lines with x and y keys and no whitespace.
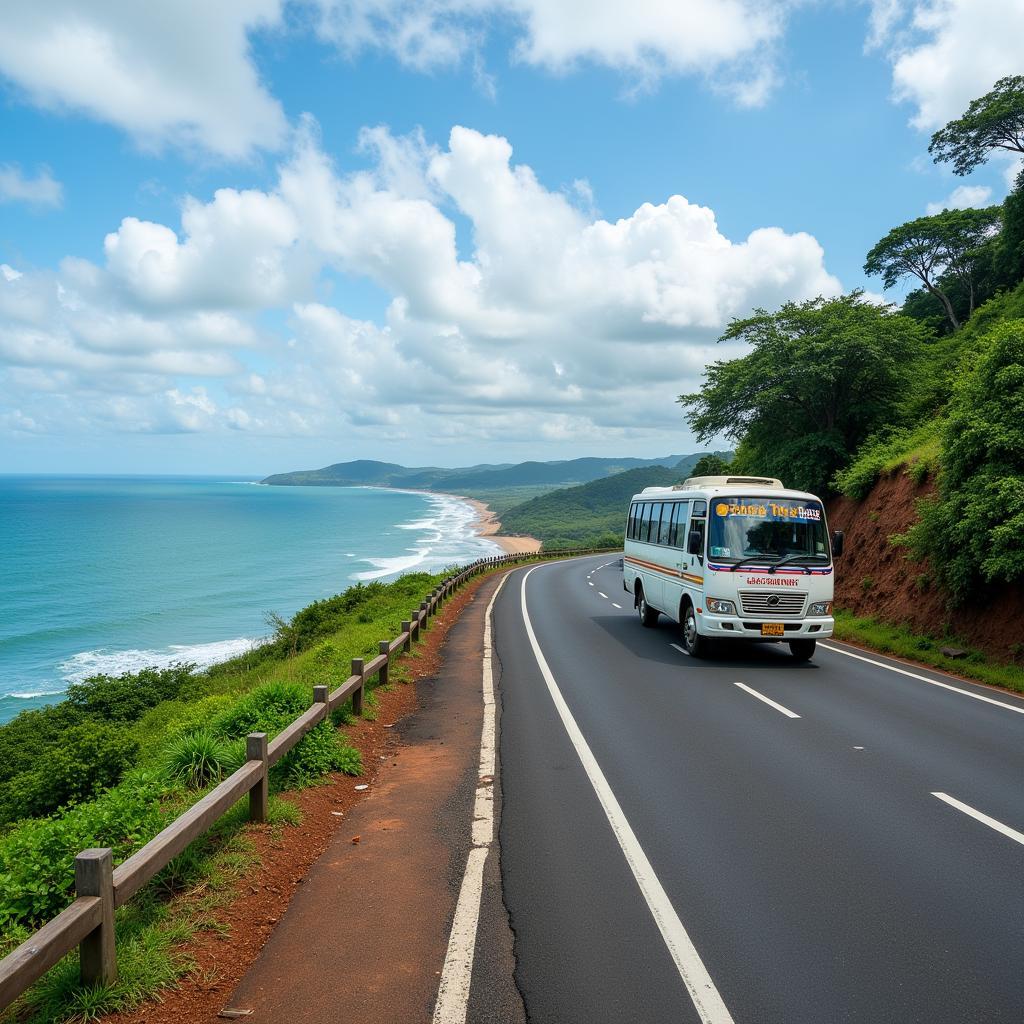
{"x":835,"y":393}
{"x":466,"y":480}
{"x":595,"y":513}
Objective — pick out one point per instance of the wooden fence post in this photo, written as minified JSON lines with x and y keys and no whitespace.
{"x":385,"y":669}
{"x":259,"y":795}
{"x":425,"y":609}
{"x":94,"y":876}
{"x":407,"y":630}
{"x":357,"y":694}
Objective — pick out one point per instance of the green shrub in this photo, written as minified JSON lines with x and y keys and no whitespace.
{"x":92,"y":756}
{"x":275,"y":706}
{"x":973,"y":531}
{"x":322,"y":750}
{"x":886,"y":451}
{"x":37,"y":856}
{"x":127,"y":697}
{"x":196,"y":759}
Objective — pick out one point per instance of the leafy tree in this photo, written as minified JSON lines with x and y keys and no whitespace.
{"x":711,"y":465}
{"x":973,"y":533}
{"x":821,"y":377}
{"x":994,"y":121}
{"x":1009,"y":257}
{"x":949,"y":245}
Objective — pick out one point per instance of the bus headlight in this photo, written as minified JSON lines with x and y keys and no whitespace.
{"x":820,"y":608}
{"x":719,"y":607}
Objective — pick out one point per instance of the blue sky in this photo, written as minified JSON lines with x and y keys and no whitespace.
{"x":294,"y":291}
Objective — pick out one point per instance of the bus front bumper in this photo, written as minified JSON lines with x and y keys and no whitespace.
{"x":746,"y":628}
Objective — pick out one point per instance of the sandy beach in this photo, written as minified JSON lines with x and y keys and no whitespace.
{"x":488,"y":525}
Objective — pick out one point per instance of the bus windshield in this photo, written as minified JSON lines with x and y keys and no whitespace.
{"x":767,"y":529}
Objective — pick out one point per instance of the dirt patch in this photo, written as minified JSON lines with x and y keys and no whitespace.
{"x":224,"y":954}
{"x":874,"y":578}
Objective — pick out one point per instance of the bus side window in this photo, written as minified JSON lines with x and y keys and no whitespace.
{"x":645,"y":522}
{"x":667,"y":516}
{"x":652,"y":536}
{"x":677,"y":533}
{"x":631,"y":522}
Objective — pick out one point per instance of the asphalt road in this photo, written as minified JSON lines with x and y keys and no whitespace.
{"x":806,"y":859}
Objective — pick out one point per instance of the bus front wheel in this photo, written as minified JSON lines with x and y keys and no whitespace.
{"x":648,"y":615}
{"x":802,"y":650}
{"x":694,"y":644}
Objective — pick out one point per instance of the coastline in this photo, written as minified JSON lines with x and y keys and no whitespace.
{"x":487,"y":525}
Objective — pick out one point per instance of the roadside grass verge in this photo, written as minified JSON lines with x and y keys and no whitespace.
{"x":926,"y":649}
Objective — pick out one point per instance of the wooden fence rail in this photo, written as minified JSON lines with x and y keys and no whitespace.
{"x":88,"y":923}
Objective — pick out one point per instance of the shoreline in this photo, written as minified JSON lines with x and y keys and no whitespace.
{"x":487,"y":525}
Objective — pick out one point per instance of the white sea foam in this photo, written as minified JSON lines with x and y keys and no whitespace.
{"x":392,"y":566}
{"x":31,"y":695}
{"x":447,"y":535}
{"x":110,"y":662}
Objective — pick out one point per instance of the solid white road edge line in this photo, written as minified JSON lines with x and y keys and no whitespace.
{"x":767,"y":700}
{"x":706,"y":999}
{"x":1012,"y":833}
{"x":924,"y":679}
{"x":457,"y":973}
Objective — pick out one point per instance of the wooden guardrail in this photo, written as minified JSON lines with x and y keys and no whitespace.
{"x":101,"y":888}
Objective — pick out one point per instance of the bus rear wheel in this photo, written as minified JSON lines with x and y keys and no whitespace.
{"x":648,"y":615}
{"x":802,"y":650}
{"x":695,"y":645}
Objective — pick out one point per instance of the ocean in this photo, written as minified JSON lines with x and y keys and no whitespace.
{"x":116,"y":574}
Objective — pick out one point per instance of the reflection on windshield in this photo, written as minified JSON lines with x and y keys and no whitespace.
{"x":767,"y":529}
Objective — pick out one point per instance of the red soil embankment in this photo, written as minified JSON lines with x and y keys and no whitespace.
{"x":874,"y":578}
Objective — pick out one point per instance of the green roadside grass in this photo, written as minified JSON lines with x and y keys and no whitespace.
{"x":901,"y":642}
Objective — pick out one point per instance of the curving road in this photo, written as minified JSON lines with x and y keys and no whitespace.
{"x":771,"y":852}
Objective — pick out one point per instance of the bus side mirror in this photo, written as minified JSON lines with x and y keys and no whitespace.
{"x":693,"y":543}
{"x":837,"y":543}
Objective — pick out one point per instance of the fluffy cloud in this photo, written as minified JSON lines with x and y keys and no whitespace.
{"x":42,"y":190}
{"x":963,"y":197}
{"x":550,"y":323}
{"x":948,"y":52}
{"x":179,"y":72}
{"x":728,"y":41}
{"x":183,"y":73}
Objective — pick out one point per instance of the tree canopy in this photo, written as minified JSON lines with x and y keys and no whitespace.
{"x":821,"y":376}
{"x":948,"y":244}
{"x":993,"y":121}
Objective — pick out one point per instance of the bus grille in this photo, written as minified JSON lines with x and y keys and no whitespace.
{"x":756,"y":602}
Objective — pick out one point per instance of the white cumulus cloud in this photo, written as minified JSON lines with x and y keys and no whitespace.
{"x":547,"y":323}
{"x":946,"y":53}
{"x":161,"y":71}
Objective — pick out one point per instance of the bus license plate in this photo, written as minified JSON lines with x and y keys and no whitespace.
{"x":773,"y":629}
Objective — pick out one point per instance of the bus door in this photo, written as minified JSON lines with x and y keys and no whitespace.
{"x":692,"y":561}
{"x":675,"y":553}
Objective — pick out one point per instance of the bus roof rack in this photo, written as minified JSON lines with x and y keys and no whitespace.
{"x":727,"y":481}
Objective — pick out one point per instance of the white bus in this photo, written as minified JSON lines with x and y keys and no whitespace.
{"x":732,"y":557}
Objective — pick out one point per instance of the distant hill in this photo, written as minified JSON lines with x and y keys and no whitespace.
{"x":469,"y":479}
{"x":595,"y":511}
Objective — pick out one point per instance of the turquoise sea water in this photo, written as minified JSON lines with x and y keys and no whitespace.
{"x":111,"y":575}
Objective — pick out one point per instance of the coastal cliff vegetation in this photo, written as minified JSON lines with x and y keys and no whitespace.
{"x":119,"y":757}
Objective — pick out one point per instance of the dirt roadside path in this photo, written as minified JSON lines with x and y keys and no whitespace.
{"x":364,"y":937}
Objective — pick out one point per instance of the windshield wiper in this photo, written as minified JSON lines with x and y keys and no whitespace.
{"x":792,"y":560}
